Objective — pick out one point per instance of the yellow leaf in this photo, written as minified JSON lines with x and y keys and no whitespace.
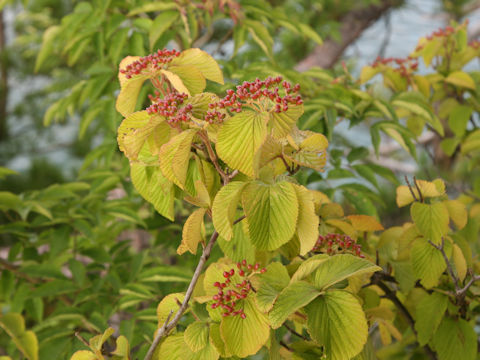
{"x":224,"y":208}
{"x":308,"y":221}
{"x":239,"y":139}
{"x":129,"y":88}
{"x":176,"y":82}
{"x":343,"y":226}
{"x":83,"y":355}
{"x":282,"y":123}
{"x":367,"y":73}
{"x":365,"y":223}
{"x":202,"y":61}
{"x":174,"y":157}
{"x":192,"y":232}
{"x":170,"y":303}
{"x":191,"y":78}
{"x":428,"y":189}
{"x":458,"y":213}
{"x":460,"y":262}
{"x":460,"y":78}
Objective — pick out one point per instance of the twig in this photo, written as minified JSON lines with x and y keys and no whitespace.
{"x":390,"y":294}
{"x":285,"y":345}
{"x":463,"y":291}
{"x":213,"y":158}
{"x":168,"y":326}
{"x":449,"y":265}
{"x":295,"y":332}
{"x":410,"y":188}
{"x":418,"y":189}
{"x":82,"y":339}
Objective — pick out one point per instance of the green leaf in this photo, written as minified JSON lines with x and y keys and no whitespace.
{"x":455,"y":339}
{"x":176,"y":82}
{"x":191,"y":77}
{"x":47,"y":45}
{"x":431,"y":219}
{"x":261,"y":36}
{"x":117,"y":44}
{"x":457,"y":212}
{"x":272,"y":282}
{"x":272,"y":212}
{"x":458,"y":119}
{"x":175,"y":155}
{"x":240,"y":246}
{"x":175,"y":348}
{"x":429,"y":314}
{"x":340,"y":267}
{"x":151,"y":7}
{"x":161,"y":23}
{"x":239,"y":139}
{"x":308,"y":221}
{"x":461,"y":79}
{"x":471,"y":143}
{"x":428,"y":263}
{"x":192,"y":232}
{"x":25,"y":341}
{"x":225,"y":206}
{"x":295,"y":296}
{"x":244,"y":337}
{"x":202,"y":61}
{"x":154,"y":187}
{"x":4,"y":172}
{"x":336,"y":321}
{"x":196,"y":335}
{"x":310,"y":33}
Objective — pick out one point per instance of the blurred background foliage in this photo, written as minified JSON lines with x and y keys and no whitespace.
{"x":79,"y":249}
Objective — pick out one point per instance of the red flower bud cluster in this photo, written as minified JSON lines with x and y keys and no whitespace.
{"x":440,"y":33}
{"x":337,"y":244}
{"x":151,"y":62}
{"x":404,"y":65}
{"x":474,"y":44}
{"x":257,"y":91}
{"x":169,"y":107}
{"x":229,"y":295}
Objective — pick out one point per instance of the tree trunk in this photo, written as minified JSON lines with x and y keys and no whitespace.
{"x":352,"y":26}
{"x":3,"y":81}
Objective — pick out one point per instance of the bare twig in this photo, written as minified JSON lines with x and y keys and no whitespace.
{"x":418,"y":189}
{"x":295,"y":332}
{"x":463,"y":291}
{"x":410,"y":188}
{"x":82,"y":339}
{"x":168,"y":326}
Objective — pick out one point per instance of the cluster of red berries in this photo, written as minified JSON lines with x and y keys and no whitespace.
{"x":474,"y":44}
{"x":404,"y":65}
{"x":256,"y":90}
{"x":229,"y":294}
{"x":150,"y":62}
{"x":337,"y":243}
{"x":442,"y":32}
{"x":169,"y":107}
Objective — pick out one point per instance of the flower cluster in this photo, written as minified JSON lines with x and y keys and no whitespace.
{"x":169,"y":107}
{"x":440,"y":33}
{"x":280,"y":95}
{"x":230,"y":294}
{"x":150,"y":63}
{"x":337,"y":243}
{"x":404,"y":65}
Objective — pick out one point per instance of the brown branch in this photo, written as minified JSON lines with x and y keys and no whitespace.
{"x":352,"y":26}
{"x":391,"y":295}
{"x":213,"y":157}
{"x":295,"y":332}
{"x":450,"y":271}
{"x":463,"y":291}
{"x":168,"y":326}
{"x":418,"y":189}
{"x":410,"y":188}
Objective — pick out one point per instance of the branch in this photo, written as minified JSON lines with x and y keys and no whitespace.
{"x":352,"y":26}
{"x":168,"y":326}
{"x":390,"y":294}
{"x":449,"y":265}
{"x":463,"y":291}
